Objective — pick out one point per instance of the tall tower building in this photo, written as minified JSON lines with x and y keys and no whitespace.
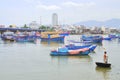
{"x":54,"y":19}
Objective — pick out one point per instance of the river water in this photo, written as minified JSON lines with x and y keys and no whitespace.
{"x":32,"y":61}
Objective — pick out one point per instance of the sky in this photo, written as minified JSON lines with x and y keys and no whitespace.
{"x":20,"y":12}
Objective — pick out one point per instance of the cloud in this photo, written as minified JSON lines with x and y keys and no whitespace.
{"x":29,"y":1}
{"x":48,"y":7}
{"x":62,"y":6}
{"x":73,"y":4}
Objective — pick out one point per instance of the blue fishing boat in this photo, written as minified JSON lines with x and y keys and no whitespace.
{"x":25,"y":39}
{"x":94,"y":39}
{"x":52,"y":36}
{"x":8,"y":36}
{"x":55,"y":39}
{"x":27,"y":36}
{"x":112,"y":35}
{"x":64,"y":51}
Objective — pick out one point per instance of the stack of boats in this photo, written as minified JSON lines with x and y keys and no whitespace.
{"x":32,"y":36}
{"x":20,"y":37}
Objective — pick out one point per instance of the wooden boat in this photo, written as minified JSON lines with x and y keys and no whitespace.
{"x":8,"y":36}
{"x":112,"y":35}
{"x":52,"y":36}
{"x":27,"y":36}
{"x":101,"y":64}
{"x":94,"y":39}
{"x":64,"y":51}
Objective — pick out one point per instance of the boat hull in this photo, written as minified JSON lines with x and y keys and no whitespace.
{"x":68,"y":54}
{"x":94,"y":39}
{"x":57,"y":39}
{"x":100,"y":64}
{"x":65,"y":51}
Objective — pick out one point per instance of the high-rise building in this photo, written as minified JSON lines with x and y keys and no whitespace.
{"x":54,"y":19}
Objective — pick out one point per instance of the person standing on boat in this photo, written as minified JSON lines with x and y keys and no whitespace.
{"x":105,"y":57}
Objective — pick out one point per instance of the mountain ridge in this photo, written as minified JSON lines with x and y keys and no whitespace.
{"x":108,"y":23}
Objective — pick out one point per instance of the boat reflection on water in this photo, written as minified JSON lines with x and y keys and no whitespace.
{"x":70,"y":59}
{"x":8,"y":42}
{"x":104,"y":72}
{"x":119,"y":40}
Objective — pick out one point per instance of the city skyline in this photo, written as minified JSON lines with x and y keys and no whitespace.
{"x":22,"y":12}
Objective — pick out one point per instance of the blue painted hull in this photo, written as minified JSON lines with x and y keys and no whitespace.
{"x":58,"y":39}
{"x":8,"y":38}
{"x":26,"y":38}
{"x":112,"y":36}
{"x":94,"y":39}
{"x":55,"y":53}
{"x":65,"y":51}
{"x":64,"y":34}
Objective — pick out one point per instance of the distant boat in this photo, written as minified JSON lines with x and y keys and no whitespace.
{"x":112,"y":36}
{"x":8,"y":36}
{"x":101,"y":64}
{"x":52,"y":36}
{"x":94,"y":39}
{"x":26,"y":37}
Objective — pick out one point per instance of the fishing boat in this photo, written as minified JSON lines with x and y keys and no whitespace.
{"x":52,"y":36}
{"x":112,"y":35}
{"x":8,"y":36}
{"x":64,"y":51}
{"x":27,"y":37}
{"x":94,"y":39}
{"x":101,"y":64}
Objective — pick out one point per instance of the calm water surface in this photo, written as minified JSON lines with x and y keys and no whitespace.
{"x":30,"y":61}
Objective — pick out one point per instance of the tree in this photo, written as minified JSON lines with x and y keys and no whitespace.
{"x":10,"y":26}
{"x":25,"y":26}
{"x":42,"y":27}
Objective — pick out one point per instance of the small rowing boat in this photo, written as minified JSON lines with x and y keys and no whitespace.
{"x":101,"y":64}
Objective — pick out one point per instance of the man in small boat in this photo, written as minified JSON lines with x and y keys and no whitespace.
{"x":105,"y":57}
